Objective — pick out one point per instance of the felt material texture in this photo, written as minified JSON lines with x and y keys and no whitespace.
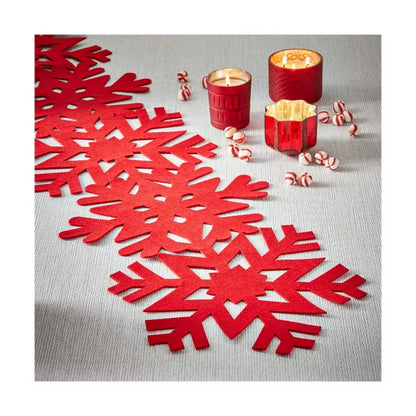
{"x":139,"y":149}
{"x":72,"y":108}
{"x":165,"y":206}
{"x":241,"y":285}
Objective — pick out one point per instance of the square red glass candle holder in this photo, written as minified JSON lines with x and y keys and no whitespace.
{"x":295,"y":74}
{"x":229,"y":93}
{"x":290,"y":126}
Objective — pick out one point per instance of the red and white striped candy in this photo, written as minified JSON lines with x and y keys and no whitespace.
{"x":205,"y":82}
{"x":323,"y":116}
{"x":182,"y":76}
{"x":305,"y":158}
{"x":338,"y":119}
{"x":229,"y":132}
{"x":244,"y":154}
{"x":332,"y":163}
{"x":347,"y":116}
{"x":353,"y":131}
{"x":291,"y":178}
{"x":233,"y":150}
{"x":321,"y":157}
{"x":239,"y":137}
{"x":184,"y":92}
{"x":305,"y":179}
{"x":338,"y":106}
{"x":185,"y":87}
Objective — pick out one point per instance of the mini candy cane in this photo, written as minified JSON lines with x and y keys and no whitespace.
{"x":205,"y":82}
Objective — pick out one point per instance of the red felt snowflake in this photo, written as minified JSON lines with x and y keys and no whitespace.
{"x":139,"y":149}
{"x":79,"y":112}
{"x":168,"y":210}
{"x":240,"y":284}
{"x":53,"y":53}
{"x":69,"y":90}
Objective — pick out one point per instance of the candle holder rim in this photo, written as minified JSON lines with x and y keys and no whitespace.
{"x":321,"y":59}
{"x":223,"y":69}
{"x":311,"y":106}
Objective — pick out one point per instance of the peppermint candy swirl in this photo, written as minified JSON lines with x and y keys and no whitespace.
{"x":182,"y":76}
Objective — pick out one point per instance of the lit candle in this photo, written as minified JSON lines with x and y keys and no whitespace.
{"x":229,"y":97}
{"x":295,"y":74}
{"x":290,"y":126}
{"x":228,"y":82}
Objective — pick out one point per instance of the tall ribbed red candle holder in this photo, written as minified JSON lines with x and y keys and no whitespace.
{"x":295,"y":74}
{"x":229,"y":93}
{"x":290,"y":126}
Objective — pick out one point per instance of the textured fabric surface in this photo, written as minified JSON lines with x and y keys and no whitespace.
{"x":82,"y":332}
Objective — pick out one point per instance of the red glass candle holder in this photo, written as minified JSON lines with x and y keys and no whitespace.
{"x":229,"y":93}
{"x":290,"y":126}
{"x":295,"y":74}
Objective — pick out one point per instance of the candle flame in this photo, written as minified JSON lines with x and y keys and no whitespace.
{"x":227,"y":80}
{"x":293,"y":66}
{"x":284,"y":60}
{"x":307,"y":61}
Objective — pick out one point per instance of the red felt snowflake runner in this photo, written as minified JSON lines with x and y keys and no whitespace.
{"x":147,"y":187}
{"x":168,"y":210}
{"x":238,"y":284}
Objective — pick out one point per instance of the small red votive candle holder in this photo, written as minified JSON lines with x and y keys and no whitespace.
{"x":229,"y":93}
{"x":295,"y":74}
{"x":290,"y":126}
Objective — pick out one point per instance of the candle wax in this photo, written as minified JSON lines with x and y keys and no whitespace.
{"x":233,"y":82}
{"x":298,"y":64}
